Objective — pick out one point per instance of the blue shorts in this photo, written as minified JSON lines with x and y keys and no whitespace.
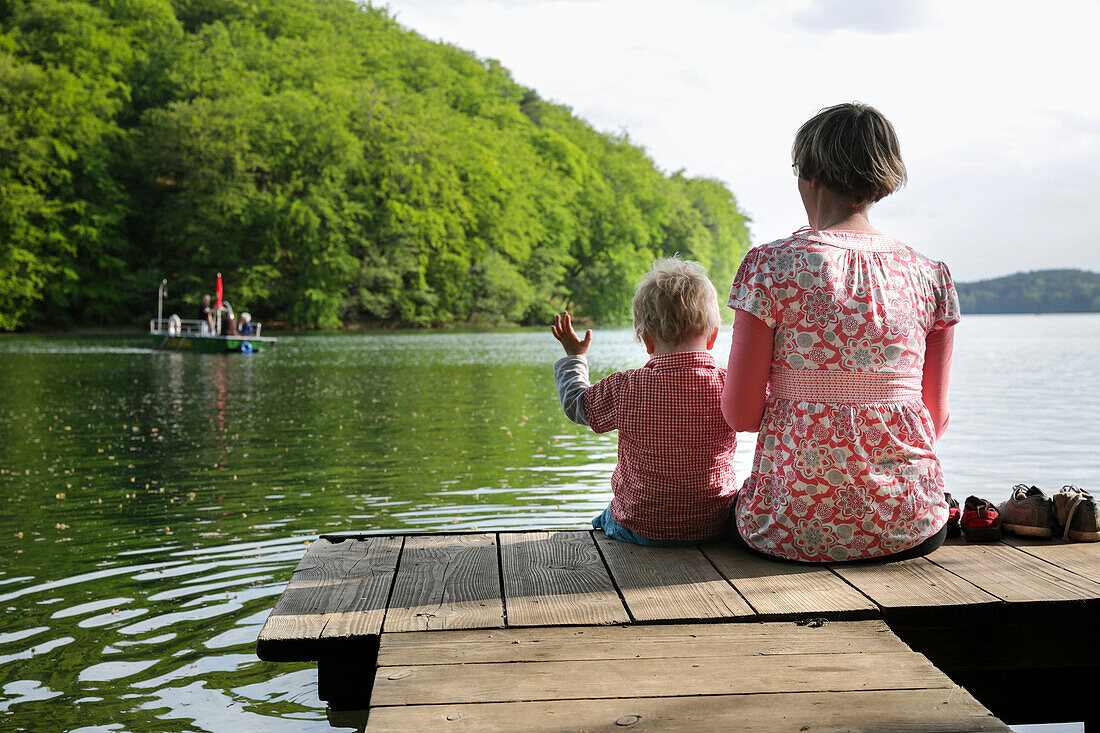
{"x":616,"y":531}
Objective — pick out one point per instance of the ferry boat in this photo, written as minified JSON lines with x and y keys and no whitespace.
{"x":175,"y":333}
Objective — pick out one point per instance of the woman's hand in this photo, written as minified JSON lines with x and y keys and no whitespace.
{"x":563,"y":332}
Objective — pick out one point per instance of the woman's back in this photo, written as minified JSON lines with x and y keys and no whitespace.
{"x":846,"y":301}
{"x":845,"y":465}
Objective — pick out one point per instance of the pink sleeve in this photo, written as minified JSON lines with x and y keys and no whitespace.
{"x":937,"y":376}
{"x":750,"y":365}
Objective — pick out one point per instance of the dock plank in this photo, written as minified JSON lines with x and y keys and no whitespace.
{"x":1082,"y":558}
{"x":636,"y":642}
{"x":594,"y":679}
{"x":668,"y":677}
{"x":446,"y":582}
{"x":661,"y":583}
{"x":890,"y":711}
{"x":1013,"y":575}
{"x":912,"y":584}
{"x":778,"y":589}
{"x":338,"y":591}
{"x":557,"y":578}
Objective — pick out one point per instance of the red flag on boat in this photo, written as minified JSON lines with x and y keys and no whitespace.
{"x":218,"y":292}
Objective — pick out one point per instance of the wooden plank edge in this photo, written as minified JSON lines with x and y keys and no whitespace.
{"x":949,"y":709}
{"x":313,"y":650}
{"x":1031,"y":604}
{"x":367,"y":534}
{"x":614,"y":580}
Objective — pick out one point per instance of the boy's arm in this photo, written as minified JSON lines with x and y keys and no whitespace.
{"x":571,"y":376}
{"x":571,"y":371}
{"x":584,"y":404}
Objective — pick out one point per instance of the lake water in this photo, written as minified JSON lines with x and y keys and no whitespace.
{"x":156,"y":503}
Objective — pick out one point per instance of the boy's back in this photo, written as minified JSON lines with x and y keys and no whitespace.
{"x":674,"y":479}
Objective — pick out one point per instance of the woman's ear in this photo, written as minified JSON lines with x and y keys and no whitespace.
{"x":712,"y":338}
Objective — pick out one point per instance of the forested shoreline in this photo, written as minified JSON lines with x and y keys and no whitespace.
{"x":335,"y":167}
{"x":1041,"y":291}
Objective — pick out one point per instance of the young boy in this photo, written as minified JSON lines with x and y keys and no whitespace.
{"x":674,"y":482}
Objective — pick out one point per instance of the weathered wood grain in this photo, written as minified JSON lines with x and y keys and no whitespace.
{"x":593,"y":679}
{"x":889,"y":711}
{"x":338,"y":591}
{"x":660,"y":583}
{"x":723,"y":640}
{"x":556,"y":578}
{"x":446,"y":582}
{"x":915,"y":583}
{"x":1013,"y":575}
{"x":1082,"y":558}
{"x":778,"y":589}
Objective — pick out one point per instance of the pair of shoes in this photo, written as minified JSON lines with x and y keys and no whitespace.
{"x":953,"y":512}
{"x":1077,"y":513}
{"x":1031,"y":513}
{"x":981,"y":522}
{"x":1028,"y":512}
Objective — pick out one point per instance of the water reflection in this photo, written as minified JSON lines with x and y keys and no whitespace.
{"x":157,"y":502}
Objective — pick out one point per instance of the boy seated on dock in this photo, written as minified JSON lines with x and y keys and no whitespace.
{"x":674,"y":482}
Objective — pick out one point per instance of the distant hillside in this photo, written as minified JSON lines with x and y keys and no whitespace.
{"x":1042,"y":291}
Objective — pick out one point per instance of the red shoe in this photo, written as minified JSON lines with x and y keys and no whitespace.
{"x":981,"y":522}
{"x":953,"y":514}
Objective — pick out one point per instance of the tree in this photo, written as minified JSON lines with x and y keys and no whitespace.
{"x":332,"y":165}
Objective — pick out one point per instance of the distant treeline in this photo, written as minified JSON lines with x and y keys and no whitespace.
{"x":332,"y":165}
{"x":1043,"y":291}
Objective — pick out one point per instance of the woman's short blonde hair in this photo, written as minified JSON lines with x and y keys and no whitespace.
{"x":852,"y":149}
{"x":674,"y":301}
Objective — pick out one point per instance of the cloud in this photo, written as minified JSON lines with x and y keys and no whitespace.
{"x":998,"y":127}
{"x":867,"y":16}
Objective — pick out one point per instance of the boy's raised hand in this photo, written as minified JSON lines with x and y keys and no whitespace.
{"x":563,"y":332}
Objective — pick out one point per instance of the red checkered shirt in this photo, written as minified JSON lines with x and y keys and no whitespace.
{"x":674,"y":479}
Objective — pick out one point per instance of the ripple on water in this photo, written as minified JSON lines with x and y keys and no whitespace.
{"x":156,"y":504}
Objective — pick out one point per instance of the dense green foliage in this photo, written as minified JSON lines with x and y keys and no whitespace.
{"x":1043,"y":291}
{"x":334,"y":166}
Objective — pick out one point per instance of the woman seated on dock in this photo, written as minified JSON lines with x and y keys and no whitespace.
{"x":840,"y":359}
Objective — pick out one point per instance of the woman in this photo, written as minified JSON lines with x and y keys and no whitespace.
{"x":840,"y":358}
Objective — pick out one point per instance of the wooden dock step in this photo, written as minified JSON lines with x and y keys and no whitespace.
{"x":726,"y":676}
{"x":350,"y":589}
{"x":447,"y":599}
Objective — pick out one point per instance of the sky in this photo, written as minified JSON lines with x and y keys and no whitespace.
{"x":996,"y":104}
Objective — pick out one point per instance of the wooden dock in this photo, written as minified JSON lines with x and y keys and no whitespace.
{"x":568,"y":630}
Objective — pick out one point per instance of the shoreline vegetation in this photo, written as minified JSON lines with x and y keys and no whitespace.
{"x":333,"y":166}
{"x":135,"y":331}
{"x":1039,"y":291}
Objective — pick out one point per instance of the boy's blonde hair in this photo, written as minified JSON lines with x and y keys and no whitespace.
{"x":675,"y":300}
{"x":852,"y":149}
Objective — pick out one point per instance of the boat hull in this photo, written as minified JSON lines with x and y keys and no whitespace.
{"x":210,"y":344}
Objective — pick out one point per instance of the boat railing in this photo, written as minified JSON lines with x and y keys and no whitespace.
{"x":175,"y":326}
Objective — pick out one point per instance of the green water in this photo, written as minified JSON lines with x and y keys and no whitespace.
{"x":154,"y":504}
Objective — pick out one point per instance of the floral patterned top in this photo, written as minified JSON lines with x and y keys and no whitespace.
{"x":845,"y":465}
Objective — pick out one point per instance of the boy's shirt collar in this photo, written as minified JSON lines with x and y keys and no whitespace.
{"x":680,"y":360}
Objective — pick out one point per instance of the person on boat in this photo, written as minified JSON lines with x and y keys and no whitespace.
{"x":840,"y":359}
{"x":674,"y":481}
{"x":229,"y":320}
{"x":244,"y":326}
{"x":206,"y":316}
